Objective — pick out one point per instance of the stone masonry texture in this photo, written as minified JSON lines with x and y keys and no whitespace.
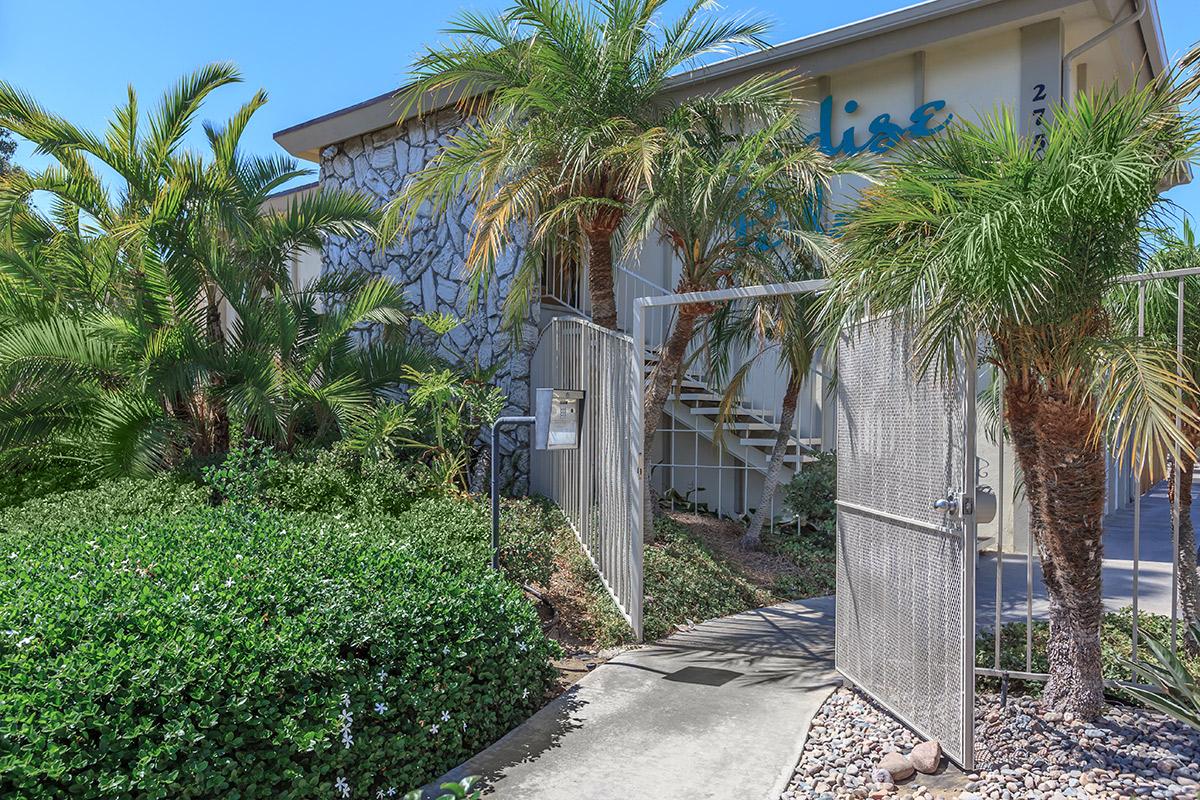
{"x":429,"y":261}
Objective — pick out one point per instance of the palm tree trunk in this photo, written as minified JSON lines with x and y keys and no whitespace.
{"x":219,"y":426}
{"x":600,"y":278}
{"x":753,"y":536}
{"x":670,"y":362}
{"x":1064,"y":475}
{"x":1189,"y":590}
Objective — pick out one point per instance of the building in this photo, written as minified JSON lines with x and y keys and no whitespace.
{"x":913,"y":70}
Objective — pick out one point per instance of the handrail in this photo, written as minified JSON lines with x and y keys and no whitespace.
{"x":642,"y":279}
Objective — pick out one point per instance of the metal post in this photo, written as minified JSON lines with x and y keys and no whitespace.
{"x":496,"y":482}
{"x":1137,"y":497}
{"x":638,"y":462}
{"x":1175,"y":506}
{"x":970,"y":552}
{"x":998,"y":379}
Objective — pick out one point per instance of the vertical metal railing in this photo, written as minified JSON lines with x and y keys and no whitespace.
{"x":1137,"y":470}
{"x":595,"y":485}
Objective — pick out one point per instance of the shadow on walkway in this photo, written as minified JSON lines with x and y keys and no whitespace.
{"x":719,"y":711}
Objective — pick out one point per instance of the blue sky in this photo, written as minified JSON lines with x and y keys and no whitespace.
{"x":76,"y":57}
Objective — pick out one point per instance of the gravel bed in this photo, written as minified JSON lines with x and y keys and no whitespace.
{"x":1023,"y":752}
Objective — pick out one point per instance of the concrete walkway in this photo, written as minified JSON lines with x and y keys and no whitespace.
{"x":719,"y":712}
{"x":1117,"y":578}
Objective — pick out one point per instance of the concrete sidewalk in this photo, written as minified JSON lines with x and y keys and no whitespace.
{"x":719,"y":712}
{"x":1155,"y":556}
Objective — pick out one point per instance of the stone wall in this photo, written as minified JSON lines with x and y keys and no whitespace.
{"x":429,"y":264}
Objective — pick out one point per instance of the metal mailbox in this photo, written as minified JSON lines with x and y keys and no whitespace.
{"x":558,"y":419}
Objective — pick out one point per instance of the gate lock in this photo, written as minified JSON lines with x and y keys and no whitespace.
{"x":957,"y":505}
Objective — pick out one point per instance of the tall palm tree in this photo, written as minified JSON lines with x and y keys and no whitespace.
{"x":563,"y":102}
{"x":731,"y":205}
{"x":111,"y":331}
{"x":974,"y":234}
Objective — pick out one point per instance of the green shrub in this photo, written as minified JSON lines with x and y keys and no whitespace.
{"x":342,"y":480}
{"x":154,"y":648}
{"x":241,"y":476}
{"x":27,"y":475}
{"x":1116,"y":644}
{"x":112,"y":502}
{"x":813,"y":552}
{"x":1172,"y":674}
{"x":811,"y":494}
{"x":684,"y":583}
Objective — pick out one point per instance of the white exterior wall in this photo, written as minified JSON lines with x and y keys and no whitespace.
{"x":975,"y":75}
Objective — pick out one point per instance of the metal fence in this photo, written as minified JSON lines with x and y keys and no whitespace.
{"x":596,"y":485}
{"x":1142,"y":549}
{"x":696,"y":465}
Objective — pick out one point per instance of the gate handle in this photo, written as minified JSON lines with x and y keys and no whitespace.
{"x":947,"y":504}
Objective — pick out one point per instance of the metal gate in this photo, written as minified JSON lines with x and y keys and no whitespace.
{"x":597,"y":486}
{"x":905,"y":568}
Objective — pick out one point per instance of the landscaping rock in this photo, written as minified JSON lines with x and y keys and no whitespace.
{"x":927,"y":756}
{"x":897,"y":765}
{"x":1024,"y":751}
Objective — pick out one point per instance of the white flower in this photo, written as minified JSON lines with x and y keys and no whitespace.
{"x":346,"y":699}
{"x":525,"y":695}
{"x":445,"y":716}
{"x":464,"y":726}
{"x":391,"y":791}
{"x":347,"y":738}
{"x":346,"y":717}
{"x":381,"y":708}
{"x":434,"y":728}
{"x":382,"y":675}
{"x":341,"y":787}
{"x":522,"y":647}
{"x":25,"y":641}
{"x":229,"y":583}
{"x":380,"y":794}
{"x":446,"y":650}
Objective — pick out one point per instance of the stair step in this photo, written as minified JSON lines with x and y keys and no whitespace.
{"x":703,"y":397}
{"x":750,"y":426}
{"x":713,"y":411}
{"x":804,"y":459}
{"x":765,"y":443}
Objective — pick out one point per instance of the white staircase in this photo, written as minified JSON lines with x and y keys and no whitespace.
{"x":742,"y":444}
{"x":748,"y":434}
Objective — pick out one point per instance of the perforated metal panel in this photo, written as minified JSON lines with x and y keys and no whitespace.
{"x":904,"y":569}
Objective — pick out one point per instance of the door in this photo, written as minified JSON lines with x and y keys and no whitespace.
{"x":906,"y":475}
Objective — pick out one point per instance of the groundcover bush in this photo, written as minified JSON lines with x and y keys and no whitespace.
{"x":1116,"y":638}
{"x":183,"y":651}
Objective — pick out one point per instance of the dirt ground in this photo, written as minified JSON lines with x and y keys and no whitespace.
{"x":565,"y":614}
{"x":723,"y":537}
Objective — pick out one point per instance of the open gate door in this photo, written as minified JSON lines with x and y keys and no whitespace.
{"x":906,"y":530}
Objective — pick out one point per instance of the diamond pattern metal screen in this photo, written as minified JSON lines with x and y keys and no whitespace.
{"x":903,"y":584}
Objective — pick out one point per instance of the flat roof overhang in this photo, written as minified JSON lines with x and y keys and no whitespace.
{"x":906,"y":29}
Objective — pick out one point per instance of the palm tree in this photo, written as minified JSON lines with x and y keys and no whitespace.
{"x":563,"y":101}
{"x":732,"y":206}
{"x":974,"y":234}
{"x":111,"y":331}
{"x":782,"y":328}
{"x":1159,"y":305}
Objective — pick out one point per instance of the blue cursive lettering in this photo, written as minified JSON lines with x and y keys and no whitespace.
{"x":885,"y":134}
